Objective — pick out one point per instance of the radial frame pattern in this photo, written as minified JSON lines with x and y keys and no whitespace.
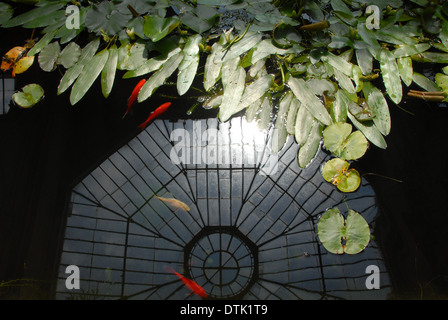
{"x":240,"y":195}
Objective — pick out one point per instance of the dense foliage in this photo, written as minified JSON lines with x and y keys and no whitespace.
{"x":316,"y":70}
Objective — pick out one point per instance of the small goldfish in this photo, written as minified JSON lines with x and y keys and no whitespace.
{"x":190,"y":284}
{"x":175,"y":203}
{"x":161,"y":109}
{"x":134,"y":95}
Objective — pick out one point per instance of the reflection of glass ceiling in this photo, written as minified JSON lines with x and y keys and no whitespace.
{"x":250,"y":232}
{"x":7,"y":88}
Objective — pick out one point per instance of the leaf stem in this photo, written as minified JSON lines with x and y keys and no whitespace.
{"x":380,"y":175}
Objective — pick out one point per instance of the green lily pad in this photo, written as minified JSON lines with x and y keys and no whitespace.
{"x":157,"y":28}
{"x":339,"y":235}
{"x":105,"y":17}
{"x":339,"y":139}
{"x":6,"y":12}
{"x":29,"y":96}
{"x":48,"y":56}
{"x":337,"y":172}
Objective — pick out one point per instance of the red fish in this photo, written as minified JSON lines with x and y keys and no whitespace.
{"x":155,"y":114}
{"x":134,"y":95}
{"x":190,"y":284}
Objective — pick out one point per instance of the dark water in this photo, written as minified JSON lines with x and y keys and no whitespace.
{"x":47,"y":151}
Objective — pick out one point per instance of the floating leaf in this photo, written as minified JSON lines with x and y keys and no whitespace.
{"x":234,"y":82}
{"x":34,"y":13}
{"x":201,"y":19}
{"x":242,"y":46}
{"x":292,"y":114}
{"x":132,"y":56}
{"x":442,"y":81}
{"x":406,"y":70}
{"x":424,"y":82}
{"x":6,"y":12}
{"x":69,"y":55}
{"x":391,"y":76}
{"x":159,"y":77}
{"x":338,"y":109}
{"x":339,"y":139}
{"x":73,"y":73}
{"x":266,"y":48}
{"x":370,"y":131}
{"x":89,"y":74}
{"x":378,"y":107}
{"x":103,"y":17}
{"x":29,"y":96}
{"x":280,"y":133}
{"x":109,"y":71}
{"x":264,"y":116}
{"x":365,"y":61}
{"x":151,"y":65}
{"x":309,"y":149}
{"x":189,"y":64}
{"x":303,"y":124}
{"x":309,"y":100}
{"x":157,"y":28}
{"x":339,"y":235}
{"x":337,"y":172}
{"x":410,"y":50}
{"x":48,"y":56}
{"x":253,"y":92}
{"x":213,"y":65}
{"x":433,"y":57}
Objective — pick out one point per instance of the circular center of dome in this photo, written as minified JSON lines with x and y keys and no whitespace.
{"x":223,"y":261}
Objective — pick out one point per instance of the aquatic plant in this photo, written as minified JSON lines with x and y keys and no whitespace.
{"x":313,"y":69}
{"x":340,"y":235}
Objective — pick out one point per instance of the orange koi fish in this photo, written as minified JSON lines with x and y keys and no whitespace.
{"x":134,"y":95}
{"x":155,"y":114}
{"x":175,"y":203}
{"x":190,"y":284}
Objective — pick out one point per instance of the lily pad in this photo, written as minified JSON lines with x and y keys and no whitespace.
{"x":105,"y":17}
{"x":339,"y":139}
{"x":337,"y":172}
{"x":48,"y":56}
{"x":29,"y":96}
{"x":339,"y":235}
{"x":157,"y":28}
